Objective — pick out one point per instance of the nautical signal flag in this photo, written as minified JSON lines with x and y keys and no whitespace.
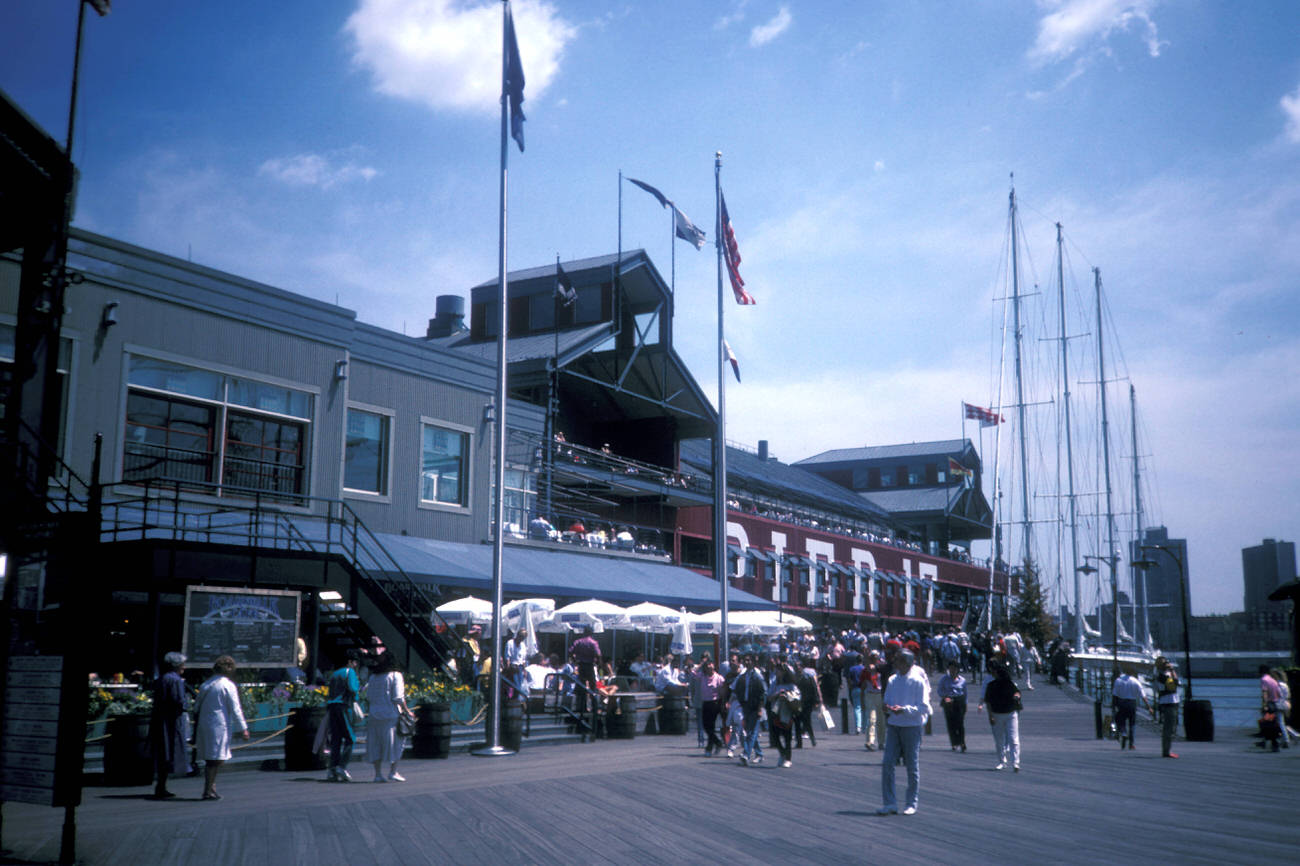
{"x":513,"y":86}
{"x":683,"y":227}
{"x":986,"y":417}
{"x":731,"y":359}
{"x":955,"y":468}
{"x":564,"y":289}
{"x":731,"y":252}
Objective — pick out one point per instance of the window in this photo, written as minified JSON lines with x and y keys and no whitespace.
{"x":444,"y":470}
{"x":365,"y":452}
{"x":184,"y":424}
{"x":8,"y":349}
{"x":886,"y":478}
{"x":521,"y":496}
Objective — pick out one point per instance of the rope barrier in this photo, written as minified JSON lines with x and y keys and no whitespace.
{"x":263,"y":740}
{"x":97,"y":739}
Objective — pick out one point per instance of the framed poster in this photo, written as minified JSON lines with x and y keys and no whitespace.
{"x":256,"y":627}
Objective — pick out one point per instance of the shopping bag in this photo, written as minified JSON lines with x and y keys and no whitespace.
{"x":827,"y":723}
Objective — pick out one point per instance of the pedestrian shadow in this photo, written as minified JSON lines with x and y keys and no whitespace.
{"x":854,"y":813}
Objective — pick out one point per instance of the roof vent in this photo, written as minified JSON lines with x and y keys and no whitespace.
{"x":762,"y":450}
{"x":449,"y":317}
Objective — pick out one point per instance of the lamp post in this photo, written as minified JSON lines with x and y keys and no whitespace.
{"x":1114,"y":601}
{"x":1182,"y":589}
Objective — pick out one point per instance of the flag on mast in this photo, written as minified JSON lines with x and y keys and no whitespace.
{"x":564,"y":289}
{"x":986,"y":417}
{"x":685,"y":229}
{"x":731,"y":358}
{"x":513,"y":86}
{"x":955,"y":468}
{"x":731,"y":252}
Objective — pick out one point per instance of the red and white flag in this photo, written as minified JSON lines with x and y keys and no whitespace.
{"x":731,"y":358}
{"x":986,"y":417}
{"x":731,"y":252}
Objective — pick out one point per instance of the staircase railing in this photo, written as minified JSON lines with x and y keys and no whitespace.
{"x":165,"y":508}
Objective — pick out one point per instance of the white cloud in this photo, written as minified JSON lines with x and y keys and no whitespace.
{"x":446,"y":54}
{"x":1076,"y":25}
{"x":736,"y":15}
{"x":765,"y":33}
{"x":313,"y":169}
{"x":1291,"y":107}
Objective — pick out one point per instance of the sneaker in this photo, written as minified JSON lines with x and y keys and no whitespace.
{"x":378,"y":778}
{"x":758,"y":759}
{"x":731,"y":753}
{"x":785,"y":764}
{"x":887,"y":810}
{"x":963,"y":747}
{"x":744,"y":760}
{"x":1016,"y":768}
{"x":342,"y":775}
{"x":1000,"y":766}
{"x":1172,"y":755}
{"x":910,"y":810}
{"x":870,"y":747}
{"x":396,"y":776}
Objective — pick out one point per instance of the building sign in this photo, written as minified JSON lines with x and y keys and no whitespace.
{"x":33,"y":693}
{"x":256,"y":627}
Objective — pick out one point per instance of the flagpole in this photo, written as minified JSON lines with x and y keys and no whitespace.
{"x":493,"y":747}
{"x":720,"y":437}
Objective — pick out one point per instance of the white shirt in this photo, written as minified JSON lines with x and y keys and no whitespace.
{"x":1127,"y":687}
{"x":911,"y":691}
{"x":383,"y":692}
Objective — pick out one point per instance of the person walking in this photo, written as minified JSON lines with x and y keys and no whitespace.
{"x":907,"y":702}
{"x":1002,"y":696}
{"x":952,"y":697}
{"x":386,"y":695}
{"x":167,"y":729}
{"x":1167,"y":701}
{"x":344,"y":688}
{"x":586,"y":654}
{"x":710,"y":686}
{"x":1124,"y":697}
{"x":783,"y":707}
{"x":219,"y":717}
{"x":751,"y":690}
{"x":874,"y":677}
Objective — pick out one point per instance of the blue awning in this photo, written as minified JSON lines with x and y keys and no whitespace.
{"x":542,"y":571}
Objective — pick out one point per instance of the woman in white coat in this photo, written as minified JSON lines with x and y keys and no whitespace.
{"x":386,"y":694}
{"x":219,"y":716}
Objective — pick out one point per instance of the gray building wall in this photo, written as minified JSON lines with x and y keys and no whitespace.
{"x":184,"y":313}
{"x":1264,"y":568}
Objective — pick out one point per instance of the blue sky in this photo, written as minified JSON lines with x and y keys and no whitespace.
{"x":348,"y":150}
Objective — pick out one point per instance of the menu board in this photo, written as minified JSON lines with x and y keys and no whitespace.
{"x":256,"y":627}
{"x":31,"y":729}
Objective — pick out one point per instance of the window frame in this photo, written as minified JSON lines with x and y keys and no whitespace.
{"x":467,"y":466}
{"x":389,"y":417}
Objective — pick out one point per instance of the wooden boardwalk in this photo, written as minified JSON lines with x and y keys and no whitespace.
{"x":656,"y":799}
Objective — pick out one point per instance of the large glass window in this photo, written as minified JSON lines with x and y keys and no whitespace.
{"x":185,"y":424}
{"x":444,"y":472}
{"x":365,"y":452}
{"x":521,"y":496}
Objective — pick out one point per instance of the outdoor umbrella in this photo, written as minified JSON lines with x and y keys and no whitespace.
{"x":466,"y":611}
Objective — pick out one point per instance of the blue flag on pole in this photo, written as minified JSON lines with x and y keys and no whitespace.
{"x":513,"y":86}
{"x":683,"y":227}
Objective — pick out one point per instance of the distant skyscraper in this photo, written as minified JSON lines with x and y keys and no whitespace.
{"x":1264,"y":569}
{"x":1163,"y":593}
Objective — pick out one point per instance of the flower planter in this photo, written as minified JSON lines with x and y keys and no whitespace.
{"x":432,"y":737}
{"x":128,"y":760}
{"x":300,"y":738}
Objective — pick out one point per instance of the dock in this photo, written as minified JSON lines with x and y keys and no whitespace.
{"x":657,"y":799}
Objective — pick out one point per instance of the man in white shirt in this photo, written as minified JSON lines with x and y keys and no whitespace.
{"x":907,"y":705}
{"x":1124,"y":697}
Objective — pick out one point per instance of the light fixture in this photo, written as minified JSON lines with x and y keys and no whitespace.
{"x":340,"y":369}
{"x":109,"y":318}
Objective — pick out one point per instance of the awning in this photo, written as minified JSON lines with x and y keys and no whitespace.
{"x":540,"y":571}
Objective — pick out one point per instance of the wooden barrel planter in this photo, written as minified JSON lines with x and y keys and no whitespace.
{"x":128,"y":759}
{"x":432,"y":738}
{"x":300,"y":738}
{"x":621,"y":725}
{"x":672,"y":715}
{"x":512,"y":725}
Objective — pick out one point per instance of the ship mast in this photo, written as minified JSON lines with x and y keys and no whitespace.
{"x":1020,"y":393}
{"x":1110,"y":511}
{"x":1069,"y":448}
{"x":1138,"y":573}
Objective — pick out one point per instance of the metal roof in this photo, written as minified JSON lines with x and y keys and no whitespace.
{"x":940,"y":448}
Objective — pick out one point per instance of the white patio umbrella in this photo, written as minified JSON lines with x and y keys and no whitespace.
{"x":591,"y":611}
{"x":513,"y":613}
{"x":682,"y":639}
{"x":466,"y":611}
{"x":648,"y":616}
{"x":711,"y":623}
{"x":788,"y":620}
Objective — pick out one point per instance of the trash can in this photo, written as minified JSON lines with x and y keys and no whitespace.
{"x":512,"y":725}
{"x":1198,"y":721}
{"x":128,"y":760}
{"x":432,"y":737}
{"x":621,"y":725}
{"x":672,"y":715}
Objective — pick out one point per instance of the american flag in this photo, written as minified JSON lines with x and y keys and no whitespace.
{"x":986,"y":417}
{"x":731,"y":252}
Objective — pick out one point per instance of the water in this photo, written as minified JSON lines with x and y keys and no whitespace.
{"x":1235,"y":701}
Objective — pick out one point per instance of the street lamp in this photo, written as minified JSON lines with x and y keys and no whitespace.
{"x":1114,"y":600}
{"x":1144,"y":564}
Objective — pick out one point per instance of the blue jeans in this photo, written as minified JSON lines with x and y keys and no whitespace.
{"x":753,"y":748}
{"x":855,"y":698}
{"x":904,"y":741}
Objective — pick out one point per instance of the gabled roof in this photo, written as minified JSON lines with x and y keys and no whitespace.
{"x":941,"y":448}
{"x":532,"y":347}
{"x":781,"y":481}
{"x":912,"y":500}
